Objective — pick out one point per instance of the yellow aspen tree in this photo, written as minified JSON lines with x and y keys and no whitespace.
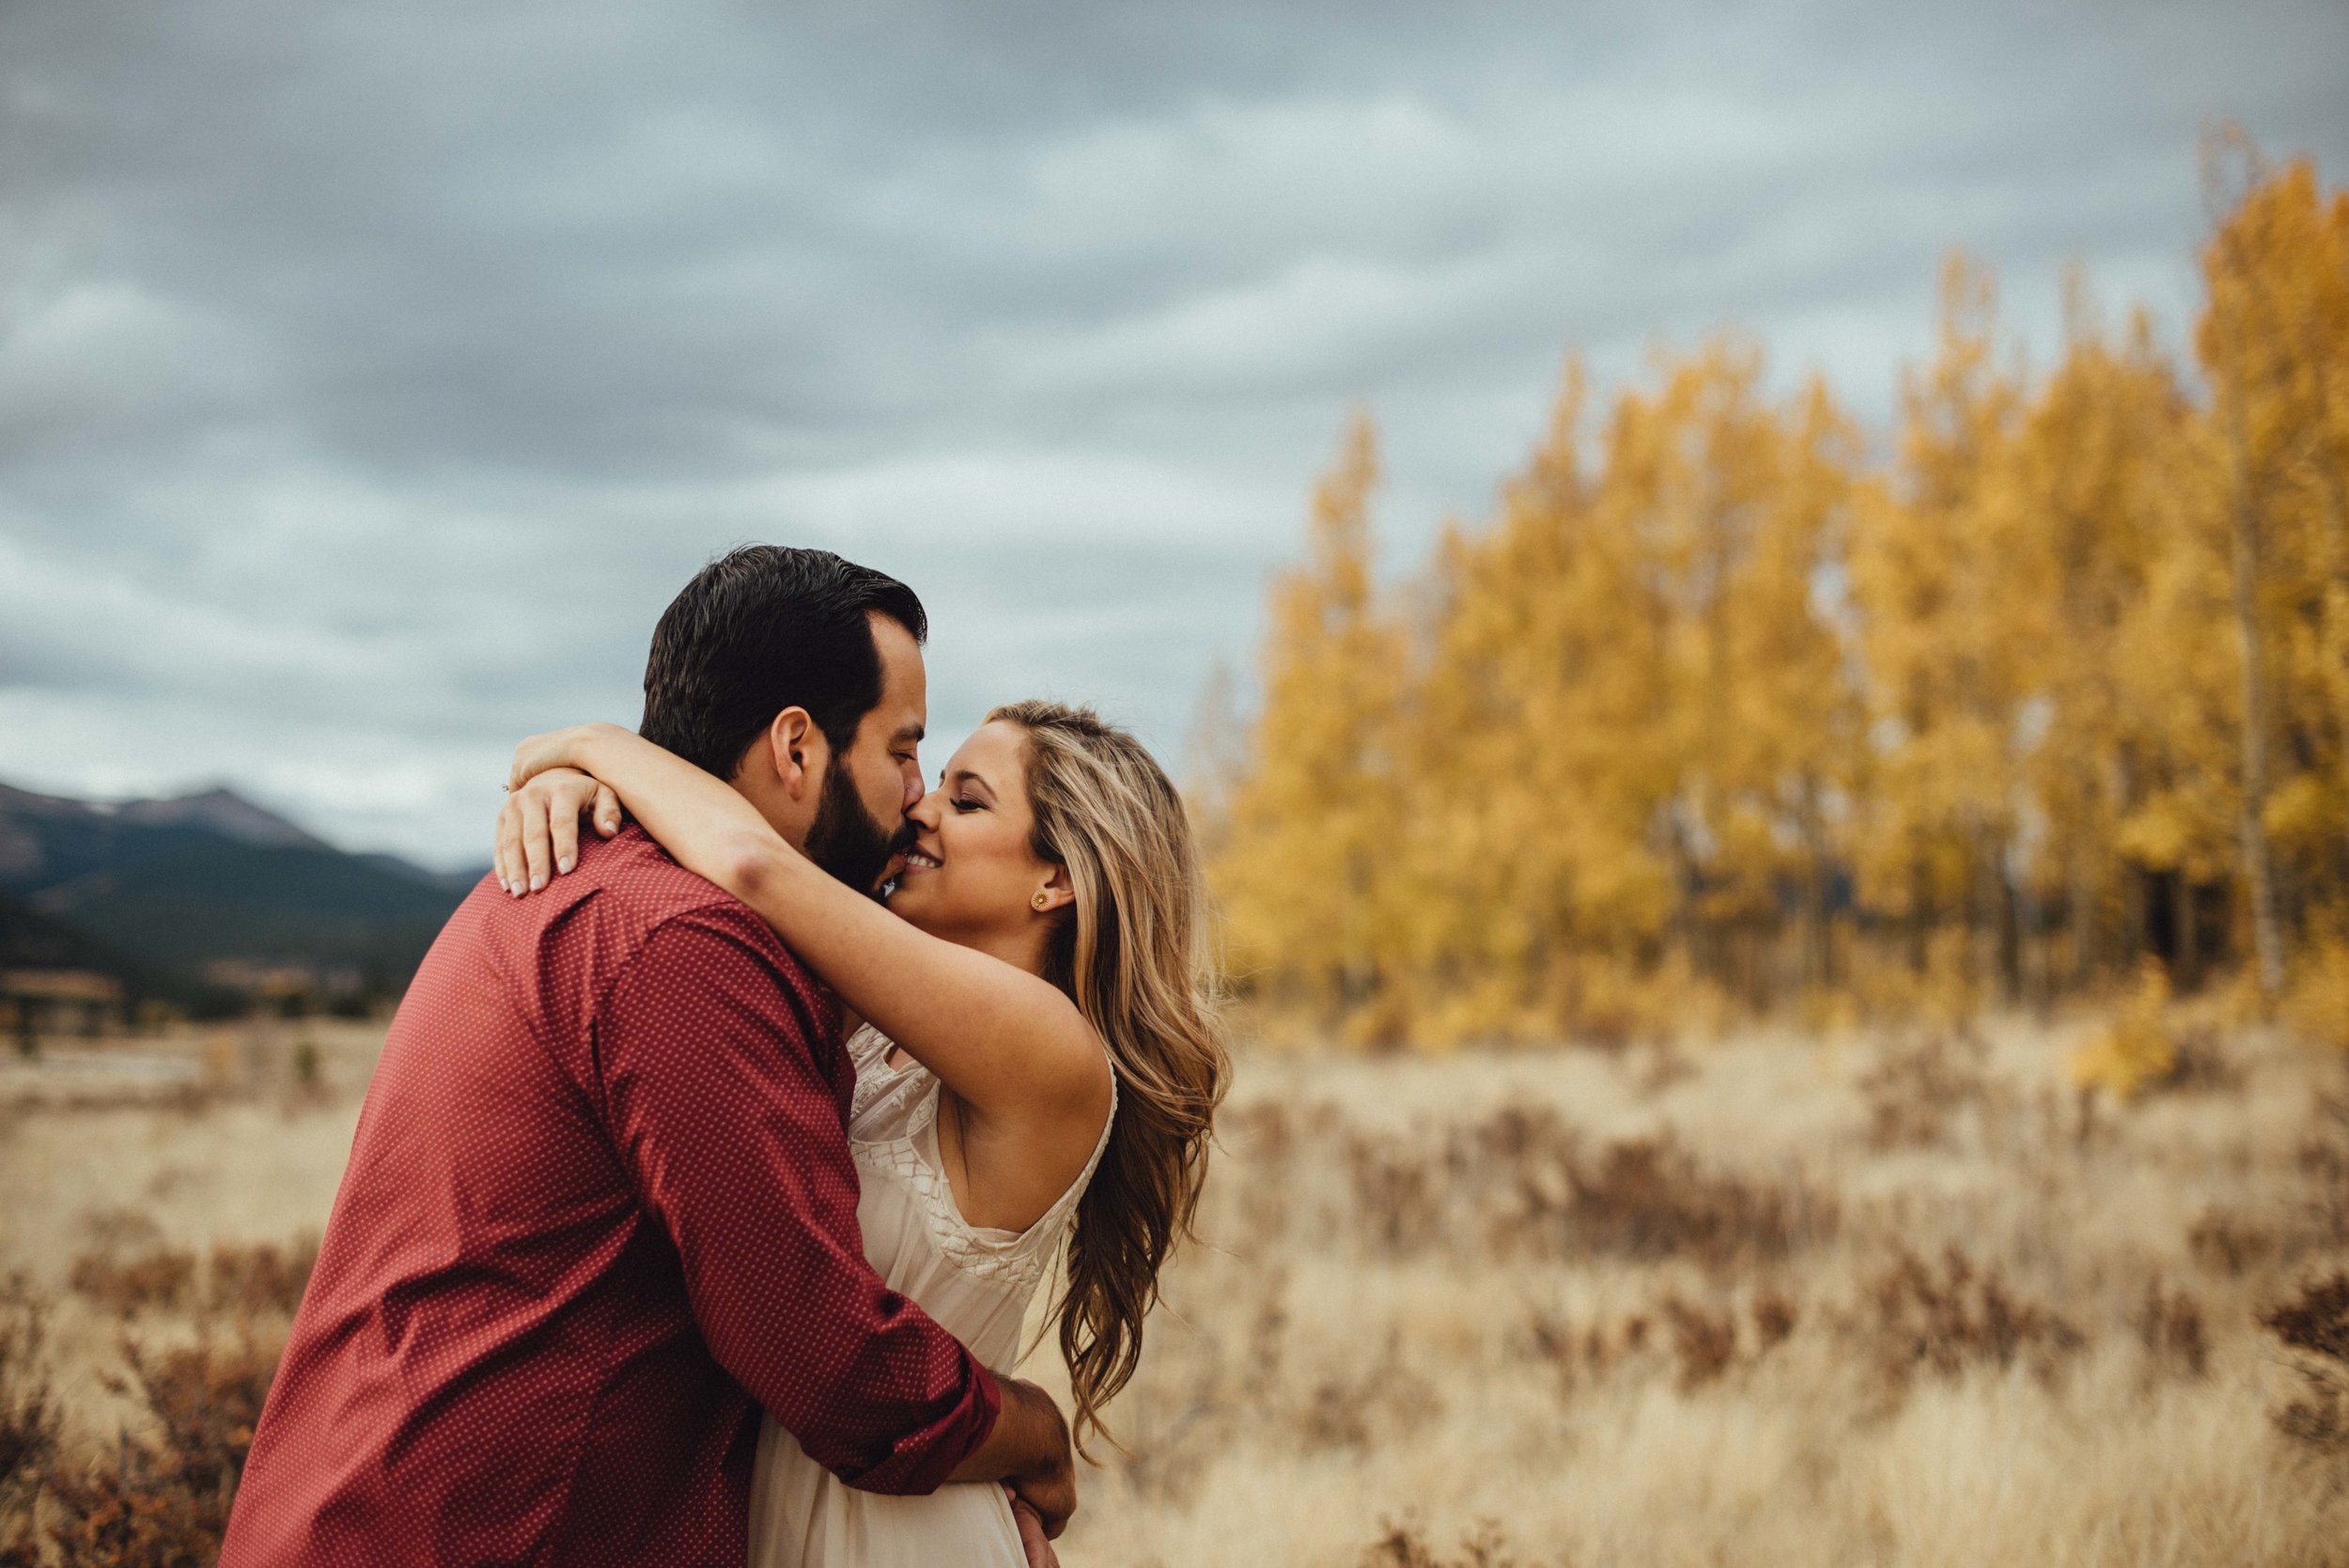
{"x":1928,"y":567}
{"x":2272,"y":341}
{"x":1728,"y":502}
{"x":2084,"y":489}
{"x":1798,"y":724}
{"x":1537,"y":759}
{"x":1314,"y":807}
{"x":2177,"y":687}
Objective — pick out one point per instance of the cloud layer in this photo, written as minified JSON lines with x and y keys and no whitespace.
{"x":371,"y":376}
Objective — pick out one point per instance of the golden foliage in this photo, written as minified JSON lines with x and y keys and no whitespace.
{"x":2134,"y":1050}
{"x":1716,"y":717}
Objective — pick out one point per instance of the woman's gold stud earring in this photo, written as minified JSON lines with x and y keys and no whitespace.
{"x":1042,"y":899}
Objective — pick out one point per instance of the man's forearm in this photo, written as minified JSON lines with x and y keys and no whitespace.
{"x":1027,"y":1448}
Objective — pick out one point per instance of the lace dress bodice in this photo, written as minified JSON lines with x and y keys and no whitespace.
{"x":975,"y":1280}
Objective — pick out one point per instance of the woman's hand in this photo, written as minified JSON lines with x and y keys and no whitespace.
{"x":539,"y":827}
{"x":570,"y":747}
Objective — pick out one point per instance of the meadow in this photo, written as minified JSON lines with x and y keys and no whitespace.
{"x":1893,"y":1297}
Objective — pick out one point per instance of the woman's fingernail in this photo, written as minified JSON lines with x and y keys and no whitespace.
{"x":563,"y":864}
{"x":538,"y":881}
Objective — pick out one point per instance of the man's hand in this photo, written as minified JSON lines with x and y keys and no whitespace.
{"x":1028,"y":1451}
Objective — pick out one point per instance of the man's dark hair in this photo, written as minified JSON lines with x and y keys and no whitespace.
{"x":762,"y":628}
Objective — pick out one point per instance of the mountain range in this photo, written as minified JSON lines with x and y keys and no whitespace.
{"x":178,"y":897}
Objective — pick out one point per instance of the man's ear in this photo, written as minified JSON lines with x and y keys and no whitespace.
{"x":1057,"y":892}
{"x":798,"y":750}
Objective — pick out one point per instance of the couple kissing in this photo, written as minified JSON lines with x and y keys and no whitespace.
{"x":720,"y":1147}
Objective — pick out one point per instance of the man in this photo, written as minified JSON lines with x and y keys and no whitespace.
{"x":600,"y":1207}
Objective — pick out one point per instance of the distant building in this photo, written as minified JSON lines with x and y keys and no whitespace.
{"x":34,"y":1002}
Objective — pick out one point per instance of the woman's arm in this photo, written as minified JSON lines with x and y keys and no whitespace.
{"x":1007,"y":1043}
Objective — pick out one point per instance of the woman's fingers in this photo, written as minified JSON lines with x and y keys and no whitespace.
{"x":563,"y":809}
{"x":507,"y":861}
{"x":534,"y":756}
{"x":607,"y":811}
{"x":536,"y":841}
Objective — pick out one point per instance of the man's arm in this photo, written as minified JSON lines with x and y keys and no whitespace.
{"x":734,"y":1139}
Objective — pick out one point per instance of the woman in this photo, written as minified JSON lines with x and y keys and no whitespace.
{"x":1037,"y":1063}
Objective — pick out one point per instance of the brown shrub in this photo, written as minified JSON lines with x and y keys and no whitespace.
{"x":164,"y":1499}
{"x":1354,"y":1409}
{"x":1913,"y":1092}
{"x":2316,"y":1327}
{"x":160,"y":1278}
{"x":2324,"y":1160}
{"x":1648,"y":1198}
{"x":1915,"y":1319}
{"x":28,"y":1419}
{"x":1523,"y":1180}
{"x":246,"y":1280}
{"x":1403,"y":1546}
{"x":2203,"y":1065}
{"x":2225,"y":1242}
{"x":1396,"y":1194}
{"x":1705,"y":1342}
{"x":260,"y":1279}
{"x":2169,"y":1326}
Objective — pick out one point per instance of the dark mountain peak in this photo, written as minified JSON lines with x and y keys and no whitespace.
{"x":223,"y":813}
{"x":49,"y":839}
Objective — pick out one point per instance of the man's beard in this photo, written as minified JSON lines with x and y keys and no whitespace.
{"x":845,"y":840}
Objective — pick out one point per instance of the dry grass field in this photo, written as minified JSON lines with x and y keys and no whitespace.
{"x":1903,"y":1299}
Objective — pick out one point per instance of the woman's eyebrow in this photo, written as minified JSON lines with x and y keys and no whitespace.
{"x":967,"y":776}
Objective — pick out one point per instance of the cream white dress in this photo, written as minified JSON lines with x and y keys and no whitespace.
{"x":975,"y":1280}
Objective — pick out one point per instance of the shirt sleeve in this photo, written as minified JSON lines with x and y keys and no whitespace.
{"x":734,"y":1138}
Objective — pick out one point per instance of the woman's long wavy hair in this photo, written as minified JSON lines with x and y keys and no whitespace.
{"x":1133,"y":953}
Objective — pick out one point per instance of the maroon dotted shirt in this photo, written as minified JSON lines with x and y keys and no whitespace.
{"x":599,"y":1210}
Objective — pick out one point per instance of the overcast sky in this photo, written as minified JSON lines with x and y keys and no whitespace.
{"x":371,"y":375}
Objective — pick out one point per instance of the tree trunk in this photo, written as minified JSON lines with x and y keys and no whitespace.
{"x":2187,"y":972}
{"x":2083,"y":921}
{"x":2267,"y":940}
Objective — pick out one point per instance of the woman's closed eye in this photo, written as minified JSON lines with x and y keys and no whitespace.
{"x":966,"y":804}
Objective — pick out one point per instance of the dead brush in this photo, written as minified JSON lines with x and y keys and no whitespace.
{"x":1913,"y":1318}
{"x":1355,"y":1408}
{"x":1263,"y":1140}
{"x":244,"y":1280}
{"x":1398,"y":1195}
{"x":161,"y":1498}
{"x":2169,"y":1326}
{"x":2324,"y":1161}
{"x":262,"y":1280}
{"x":1916,"y":1089}
{"x":29,"y":1421}
{"x":1524,"y":1180}
{"x":1648,"y":1198}
{"x":1705,"y":1341}
{"x":1403,"y":1544}
{"x":2315,"y":1327}
{"x":160,"y":1278}
{"x":2226,"y":1242}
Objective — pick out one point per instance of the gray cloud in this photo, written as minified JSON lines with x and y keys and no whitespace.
{"x":370,"y":376}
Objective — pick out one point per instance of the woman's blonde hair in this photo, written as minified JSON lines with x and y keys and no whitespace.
{"x":1133,"y":953}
